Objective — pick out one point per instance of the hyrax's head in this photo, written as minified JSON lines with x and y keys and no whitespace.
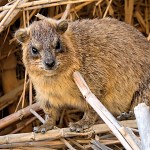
{"x":44,"y":48}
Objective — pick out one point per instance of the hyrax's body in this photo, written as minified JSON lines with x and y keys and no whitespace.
{"x":113,"y":57}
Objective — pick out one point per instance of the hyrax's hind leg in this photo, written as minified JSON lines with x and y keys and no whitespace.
{"x":126,"y":116}
{"x":142,"y":96}
{"x":87,"y":121}
{"x":51,"y":116}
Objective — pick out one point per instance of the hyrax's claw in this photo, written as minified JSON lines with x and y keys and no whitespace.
{"x":85,"y":127}
{"x":35,"y":129}
{"x":126,"y":116}
{"x":43,"y":130}
{"x":78,"y":126}
{"x":86,"y":122}
{"x":72,"y":128}
{"x":79,"y":130}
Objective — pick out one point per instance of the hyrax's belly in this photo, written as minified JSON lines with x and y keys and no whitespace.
{"x":61,"y":95}
{"x":68,"y":99}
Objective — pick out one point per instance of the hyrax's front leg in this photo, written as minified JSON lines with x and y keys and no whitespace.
{"x":87,"y":121}
{"x":51,"y":116}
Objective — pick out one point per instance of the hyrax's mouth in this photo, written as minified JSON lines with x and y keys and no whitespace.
{"x":50,"y":68}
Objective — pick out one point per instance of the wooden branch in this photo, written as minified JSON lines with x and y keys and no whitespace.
{"x":42,"y":3}
{"x":67,"y":11}
{"x":58,"y":133}
{"x":57,"y":143}
{"x":12,"y":13}
{"x":24,"y":125}
{"x":26,"y":81}
{"x":18,"y":115}
{"x":96,"y":145}
{"x":67,"y":144}
{"x":37,"y":115}
{"x":8,"y":14}
{"x":140,"y":20}
{"x":31,"y":148}
{"x":10,"y":97}
{"x":2,"y":14}
{"x":142,"y":114}
{"x":107,"y":9}
{"x":58,"y":4}
{"x":76,"y":143}
{"x":50,"y":144}
{"x":129,"y":6}
{"x":77,"y":8}
{"x":29,"y":4}
{"x":41,"y":17}
{"x":120,"y":132}
{"x":21,"y":97}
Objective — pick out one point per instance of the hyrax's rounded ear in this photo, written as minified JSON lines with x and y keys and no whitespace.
{"x":22,"y":35}
{"x":62,"y":26}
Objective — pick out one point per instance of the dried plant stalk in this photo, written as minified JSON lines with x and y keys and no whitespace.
{"x":10,"y":97}
{"x":26,"y":124}
{"x":58,"y":4}
{"x":67,"y":11}
{"x":18,"y":115}
{"x":42,"y":3}
{"x":107,"y":9}
{"x":8,"y":14}
{"x":12,"y":13}
{"x":59,"y":133}
{"x":77,"y":8}
{"x":129,"y":6}
{"x":142,"y":113}
{"x":120,"y":132}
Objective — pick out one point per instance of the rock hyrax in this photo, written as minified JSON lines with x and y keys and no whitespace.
{"x":113,"y":57}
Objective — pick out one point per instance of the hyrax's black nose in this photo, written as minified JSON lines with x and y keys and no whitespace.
{"x":50,"y":63}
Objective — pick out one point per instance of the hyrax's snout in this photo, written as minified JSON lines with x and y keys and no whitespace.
{"x":49,"y":63}
{"x":49,"y":60}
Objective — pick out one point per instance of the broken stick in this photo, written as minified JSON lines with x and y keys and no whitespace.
{"x":18,"y":115}
{"x":142,"y":114}
{"x":119,"y":131}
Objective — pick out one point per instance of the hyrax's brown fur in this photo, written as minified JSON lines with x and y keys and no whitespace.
{"x":113,"y":57}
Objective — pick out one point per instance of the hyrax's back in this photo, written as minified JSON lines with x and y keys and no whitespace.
{"x":115,"y":61}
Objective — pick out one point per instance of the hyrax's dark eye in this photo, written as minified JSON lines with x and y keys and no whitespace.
{"x":34,"y":51}
{"x":58,"y":47}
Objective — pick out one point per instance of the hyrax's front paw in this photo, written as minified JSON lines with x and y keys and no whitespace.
{"x":79,"y":126}
{"x":48,"y":125}
{"x":43,"y":128}
{"x":86,"y":122}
